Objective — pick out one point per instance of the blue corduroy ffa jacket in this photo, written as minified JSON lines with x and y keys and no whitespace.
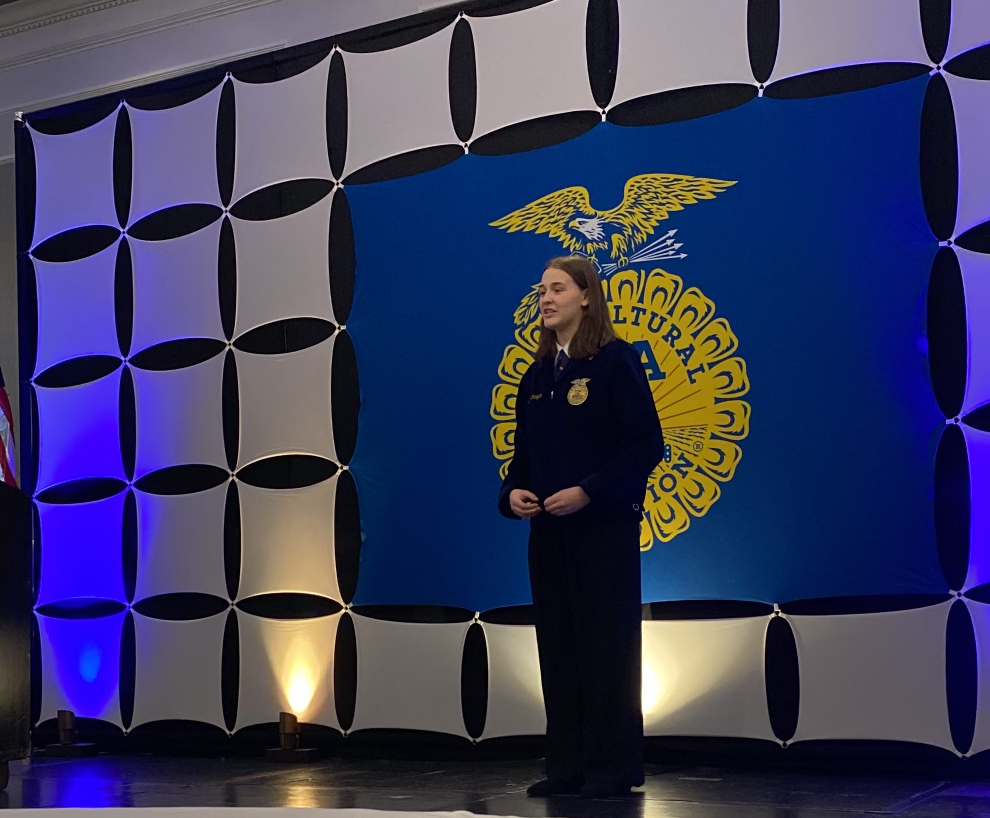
{"x":608,"y":444}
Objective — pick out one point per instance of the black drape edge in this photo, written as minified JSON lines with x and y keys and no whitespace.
{"x":762,"y":37}
{"x":287,"y":471}
{"x":283,"y":65}
{"x":231,"y":410}
{"x":936,"y":18}
{"x":81,"y":608}
{"x":462,"y":81}
{"x":75,"y":116}
{"x":227,"y":278}
{"x":341,"y":257}
{"x":939,"y":159}
{"x":395,"y":34}
{"x":401,"y":165}
{"x":28,"y":443}
{"x":602,"y":49}
{"x":25,"y":186}
{"x":226,"y":142}
{"x":347,"y":536}
{"x":973,"y":64}
{"x":961,"y":675}
{"x":36,"y":670}
{"x":123,"y":171}
{"x":175,"y":221}
{"x":230,"y":671}
{"x":182,"y":606}
{"x":474,"y":681}
{"x":533,"y":134}
{"x":782,"y":678}
{"x":289,"y":605}
{"x":123,"y":297}
{"x":946,"y":331}
{"x":128,"y":670}
{"x":129,"y":544}
{"x":232,"y":540}
{"x":345,"y":387}
{"x":127,"y":420}
{"x":415,"y":614}
{"x":952,"y":506}
{"x":345,"y":679}
{"x":336,"y":115}
{"x":27,"y":318}
{"x":844,"y":79}
{"x":281,"y":199}
{"x":285,"y":335}
{"x":177,"y":91}
{"x":853,"y":605}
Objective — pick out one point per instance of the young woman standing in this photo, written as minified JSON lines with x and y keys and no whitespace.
{"x":587,"y":438}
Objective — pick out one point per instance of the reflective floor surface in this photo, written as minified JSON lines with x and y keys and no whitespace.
{"x":487,"y":788}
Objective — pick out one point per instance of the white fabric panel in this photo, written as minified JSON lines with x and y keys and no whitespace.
{"x":285,"y":403}
{"x":283,"y":267}
{"x":874,"y":676}
{"x":291,"y":670}
{"x":705,"y":678}
{"x":970,"y":26}
{"x":81,"y":544}
{"x":980,"y":615}
{"x":531,"y":64}
{"x":78,"y":432}
{"x":702,"y":44}
{"x":74,"y":179}
{"x":515,"y":695}
{"x":174,"y":156}
{"x":179,"y":417}
{"x":975,"y":269}
{"x":80,"y":667}
{"x":409,"y":676}
{"x":281,"y":130}
{"x":180,"y":543}
{"x":971,"y":104}
{"x":76,"y":308}
{"x":178,"y":670}
{"x":407,"y":85}
{"x":978,"y":448}
{"x":175,"y":288}
{"x":287,"y":540}
{"x":818,"y":34}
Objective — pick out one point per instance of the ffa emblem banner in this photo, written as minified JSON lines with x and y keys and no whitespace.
{"x":770,"y":265}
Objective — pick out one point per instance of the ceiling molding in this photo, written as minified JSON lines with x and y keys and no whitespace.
{"x":26,"y":16}
{"x":208,"y":11}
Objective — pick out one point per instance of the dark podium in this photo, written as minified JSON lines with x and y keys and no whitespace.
{"x":16,"y":599}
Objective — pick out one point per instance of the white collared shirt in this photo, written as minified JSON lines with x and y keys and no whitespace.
{"x":565,"y":348}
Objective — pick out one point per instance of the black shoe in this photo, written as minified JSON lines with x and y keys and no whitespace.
{"x":605,"y":789}
{"x":554,"y":786}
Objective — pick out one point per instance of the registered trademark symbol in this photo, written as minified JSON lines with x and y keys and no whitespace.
{"x":698,"y":445}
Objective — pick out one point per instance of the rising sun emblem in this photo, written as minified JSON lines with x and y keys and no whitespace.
{"x":697,"y":380}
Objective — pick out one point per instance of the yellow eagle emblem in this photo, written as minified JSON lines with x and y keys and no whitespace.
{"x":567,"y":215}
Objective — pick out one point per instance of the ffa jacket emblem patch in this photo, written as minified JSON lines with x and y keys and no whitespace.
{"x":578,"y":393}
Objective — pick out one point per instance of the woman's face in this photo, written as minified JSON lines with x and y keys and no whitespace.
{"x":561,"y":301}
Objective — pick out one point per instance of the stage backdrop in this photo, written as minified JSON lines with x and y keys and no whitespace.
{"x":274,"y":317}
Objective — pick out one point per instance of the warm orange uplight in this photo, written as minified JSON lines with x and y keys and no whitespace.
{"x":300,"y":676}
{"x":652,"y":689}
{"x":299,"y":690}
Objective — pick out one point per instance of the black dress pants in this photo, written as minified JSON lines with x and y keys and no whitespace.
{"x":585,"y":577}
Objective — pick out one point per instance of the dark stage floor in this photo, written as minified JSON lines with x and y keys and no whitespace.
{"x":489,"y":787}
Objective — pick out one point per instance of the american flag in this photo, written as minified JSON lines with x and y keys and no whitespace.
{"x":8,"y":459}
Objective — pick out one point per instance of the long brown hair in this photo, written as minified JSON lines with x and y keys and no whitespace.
{"x":595,"y":329}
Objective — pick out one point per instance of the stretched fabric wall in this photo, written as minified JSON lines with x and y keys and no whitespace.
{"x":274,"y":317}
